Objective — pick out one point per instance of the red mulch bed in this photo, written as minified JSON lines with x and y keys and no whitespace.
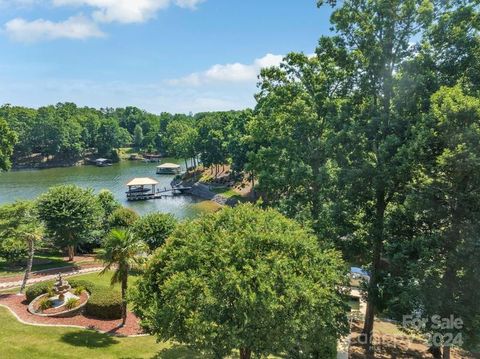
{"x":18,"y":304}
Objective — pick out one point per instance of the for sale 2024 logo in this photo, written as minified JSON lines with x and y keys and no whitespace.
{"x":441,"y":331}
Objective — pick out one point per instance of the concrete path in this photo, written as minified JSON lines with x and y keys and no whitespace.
{"x":74,"y":271}
{"x":343,"y":344}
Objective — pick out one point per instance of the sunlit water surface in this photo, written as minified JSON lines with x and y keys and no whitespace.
{"x":28,"y":184}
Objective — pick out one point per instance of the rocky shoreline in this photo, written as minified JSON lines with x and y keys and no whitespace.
{"x":203,"y":191}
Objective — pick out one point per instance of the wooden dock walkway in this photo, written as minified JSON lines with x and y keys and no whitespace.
{"x":175,"y":190}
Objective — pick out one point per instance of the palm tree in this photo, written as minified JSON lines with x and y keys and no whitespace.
{"x":30,"y":233}
{"x":122,"y":251}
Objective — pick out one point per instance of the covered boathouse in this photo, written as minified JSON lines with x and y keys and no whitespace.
{"x":140,"y":189}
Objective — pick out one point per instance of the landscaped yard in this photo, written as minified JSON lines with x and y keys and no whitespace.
{"x":22,"y":341}
{"x":42,"y":261}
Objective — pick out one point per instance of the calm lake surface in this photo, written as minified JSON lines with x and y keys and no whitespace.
{"x":28,"y":184}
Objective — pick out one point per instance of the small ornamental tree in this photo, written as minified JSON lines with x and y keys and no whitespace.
{"x":19,"y":222}
{"x":244,"y":279}
{"x":71,"y":215}
{"x":122,"y":217}
{"x":154,"y":228}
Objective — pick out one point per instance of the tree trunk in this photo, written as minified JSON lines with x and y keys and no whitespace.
{"x":71,"y":252}
{"x":124,"y":298}
{"x":253,"y":186}
{"x":186,"y":165}
{"x":372,"y":295}
{"x":31,"y":252}
{"x":316,"y":186}
{"x":245,"y":353}
{"x":446,"y":352}
{"x":436,"y":352}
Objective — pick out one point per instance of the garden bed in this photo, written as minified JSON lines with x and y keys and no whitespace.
{"x":61,"y":311}
{"x":18,"y":305}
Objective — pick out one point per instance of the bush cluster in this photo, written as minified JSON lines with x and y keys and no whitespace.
{"x":104,"y":303}
{"x":85,"y":284}
{"x":35,"y":290}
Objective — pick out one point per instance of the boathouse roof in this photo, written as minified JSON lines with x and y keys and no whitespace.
{"x":169,"y":166}
{"x":142,"y":181}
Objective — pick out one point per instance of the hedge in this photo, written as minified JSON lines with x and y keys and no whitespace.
{"x":104,"y":303}
{"x":90,"y":287}
{"x":35,"y":290}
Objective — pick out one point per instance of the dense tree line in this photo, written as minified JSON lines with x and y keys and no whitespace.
{"x":68,"y":133}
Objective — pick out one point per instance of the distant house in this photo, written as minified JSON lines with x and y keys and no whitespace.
{"x":168,"y":169}
{"x":103,"y":162}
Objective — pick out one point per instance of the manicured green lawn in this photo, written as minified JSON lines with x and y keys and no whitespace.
{"x":25,"y":341}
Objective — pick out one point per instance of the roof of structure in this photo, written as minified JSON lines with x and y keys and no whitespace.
{"x":169,"y":165}
{"x":143,"y":181}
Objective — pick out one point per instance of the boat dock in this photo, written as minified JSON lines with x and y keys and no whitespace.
{"x":143,"y":189}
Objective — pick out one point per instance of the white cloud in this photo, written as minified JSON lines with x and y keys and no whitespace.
{"x":127,"y":11}
{"x":236,"y":72}
{"x":75,"y":27}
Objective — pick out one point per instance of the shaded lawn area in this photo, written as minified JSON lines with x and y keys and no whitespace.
{"x":41,"y":262}
{"x":229,"y":193}
{"x":20,"y":341}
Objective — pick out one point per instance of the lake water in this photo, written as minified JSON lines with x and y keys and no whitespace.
{"x":28,"y":184}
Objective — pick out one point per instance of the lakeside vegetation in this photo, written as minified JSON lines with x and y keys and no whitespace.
{"x":370,"y":148}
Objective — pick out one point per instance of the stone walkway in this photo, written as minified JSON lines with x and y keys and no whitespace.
{"x":343,"y":344}
{"x":66,"y":271}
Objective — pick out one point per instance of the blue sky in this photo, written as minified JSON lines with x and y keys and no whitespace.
{"x":159,"y":55}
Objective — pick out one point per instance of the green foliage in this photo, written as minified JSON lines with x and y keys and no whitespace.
{"x":83,"y":284}
{"x":70,"y":214}
{"x":138,"y":137}
{"x":45,"y":304}
{"x":78,"y":290}
{"x":154,"y":228}
{"x":35,"y":290}
{"x":13,"y":250}
{"x":19,"y":224}
{"x":8,"y":138}
{"x":72,"y":303}
{"x":122,"y":217}
{"x":104,"y":303}
{"x":123,"y":250}
{"x":243,"y":278}
{"x":442,"y":220}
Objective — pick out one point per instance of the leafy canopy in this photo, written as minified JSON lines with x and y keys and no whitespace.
{"x":247,"y":279}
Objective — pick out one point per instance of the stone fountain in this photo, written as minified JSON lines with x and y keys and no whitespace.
{"x":62,"y":291}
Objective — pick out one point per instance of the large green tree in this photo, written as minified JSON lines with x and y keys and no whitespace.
{"x":293,"y":132}
{"x":436,"y":257}
{"x":8,"y":138}
{"x":377,"y":163}
{"x":71,"y":215}
{"x":154,"y":228}
{"x":244,"y":279}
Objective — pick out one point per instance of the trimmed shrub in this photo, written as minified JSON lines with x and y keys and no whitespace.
{"x":45,"y":304}
{"x":104,"y":303}
{"x":84,"y":284}
{"x":78,"y":291}
{"x":71,"y":303}
{"x":35,"y":290}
